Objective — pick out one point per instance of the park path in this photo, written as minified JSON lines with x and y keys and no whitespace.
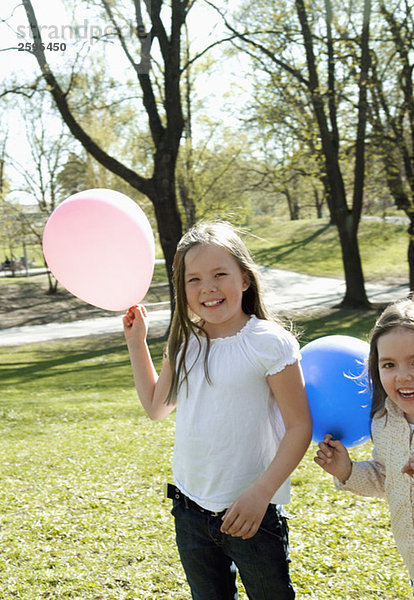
{"x":284,"y":291}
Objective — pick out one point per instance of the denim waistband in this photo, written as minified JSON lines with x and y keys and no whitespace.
{"x":175,"y":494}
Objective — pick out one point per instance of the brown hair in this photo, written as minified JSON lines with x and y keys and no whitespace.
{"x":398,"y":314}
{"x":222,"y":234}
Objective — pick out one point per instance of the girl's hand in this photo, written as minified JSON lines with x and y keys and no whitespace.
{"x":333,"y":457}
{"x":135,"y":323}
{"x":244,"y":516}
{"x":409,"y":467}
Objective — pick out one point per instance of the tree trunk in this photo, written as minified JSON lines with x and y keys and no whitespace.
{"x":187,"y":201}
{"x":292,"y":205}
{"x":346,"y":220}
{"x":355,"y":295}
{"x":410,"y":253}
{"x":163,"y":198}
{"x":318,"y":203}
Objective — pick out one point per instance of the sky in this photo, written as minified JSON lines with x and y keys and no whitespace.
{"x":62,"y":40}
{"x":15,"y":32}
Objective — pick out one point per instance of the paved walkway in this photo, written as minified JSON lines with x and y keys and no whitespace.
{"x":283,"y":291}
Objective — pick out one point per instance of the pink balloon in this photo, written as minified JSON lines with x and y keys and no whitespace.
{"x":99,"y":245}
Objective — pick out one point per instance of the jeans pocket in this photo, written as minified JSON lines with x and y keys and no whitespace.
{"x":175,"y":506}
{"x":274,"y":524}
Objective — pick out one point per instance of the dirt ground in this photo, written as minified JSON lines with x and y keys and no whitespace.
{"x":28,"y":303}
{"x":25,"y":301}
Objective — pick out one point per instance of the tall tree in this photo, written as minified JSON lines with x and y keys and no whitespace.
{"x":165,"y":120}
{"x":303,"y":43}
{"x":346,"y":219}
{"x":392,"y":108}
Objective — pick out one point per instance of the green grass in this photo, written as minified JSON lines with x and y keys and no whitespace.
{"x":82,"y":515}
{"x":82,"y":468}
{"x":336,"y":321}
{"x":82,"y":471}
{"x":312,"y":246}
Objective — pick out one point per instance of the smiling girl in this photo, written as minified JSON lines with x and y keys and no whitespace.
{"x":390,"y":473}
{"x":243,"y":422}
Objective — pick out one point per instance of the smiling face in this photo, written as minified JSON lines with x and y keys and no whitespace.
{"x":214,"y":286}
{"x":396,"y":368}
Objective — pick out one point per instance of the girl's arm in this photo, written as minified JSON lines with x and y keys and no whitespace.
{"x":152,"y":389}
{"x":244,"y":516}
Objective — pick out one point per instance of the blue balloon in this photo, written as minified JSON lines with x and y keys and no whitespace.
{"x":337,"y":388}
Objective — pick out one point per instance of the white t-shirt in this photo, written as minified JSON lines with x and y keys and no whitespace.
{"x":228,"y":431}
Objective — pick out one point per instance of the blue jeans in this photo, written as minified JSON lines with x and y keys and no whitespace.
{"x":211,"y":558}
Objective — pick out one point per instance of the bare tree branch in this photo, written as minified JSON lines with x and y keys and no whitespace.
{"x":59,"y":96}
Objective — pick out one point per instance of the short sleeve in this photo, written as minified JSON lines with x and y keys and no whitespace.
{"x":276,"y":347}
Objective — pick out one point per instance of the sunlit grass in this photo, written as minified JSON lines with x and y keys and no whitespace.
{"x":335,"y":321}
{"x":312,"y":246}
{"x":82,"y":514}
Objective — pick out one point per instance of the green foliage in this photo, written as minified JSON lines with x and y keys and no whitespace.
{"x":82,"y":470}
{"x":11,"y":228}
{"x":288,"y":86}
{"x":216,"y":176}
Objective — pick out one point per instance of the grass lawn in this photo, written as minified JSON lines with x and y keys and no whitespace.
{"x":312,"y":246}
{"x":82,"y":514}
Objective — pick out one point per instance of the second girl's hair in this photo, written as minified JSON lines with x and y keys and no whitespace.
{"x":223,"y":235}
{"x":398,"y":314}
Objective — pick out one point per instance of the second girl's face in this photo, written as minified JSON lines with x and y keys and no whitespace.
{"x":396,"y":368}
{"x":214,"y":286}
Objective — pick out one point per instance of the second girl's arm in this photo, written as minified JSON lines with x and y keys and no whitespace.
{"x":246,"y":513}
{"x":152,"y":389}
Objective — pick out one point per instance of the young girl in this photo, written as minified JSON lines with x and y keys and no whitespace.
{"x":390,"y":472}
{"x":242,"y":423}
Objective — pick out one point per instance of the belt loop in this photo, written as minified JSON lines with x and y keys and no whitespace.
{"x":182,"y":497}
